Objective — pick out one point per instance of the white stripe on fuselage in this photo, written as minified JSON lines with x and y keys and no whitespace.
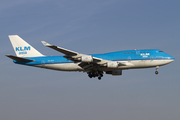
{"x":135,"y":64}
{"x":62,"y":66}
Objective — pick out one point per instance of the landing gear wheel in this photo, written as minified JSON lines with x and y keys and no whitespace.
{"x":156,"y":72}
{"x":101,"y":75}
{"x":90,"y":76}
{"x":94,"y":74}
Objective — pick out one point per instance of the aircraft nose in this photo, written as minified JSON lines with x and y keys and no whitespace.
{"x":171,"y":58}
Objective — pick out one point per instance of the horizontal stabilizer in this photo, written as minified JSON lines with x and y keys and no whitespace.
{"x":19,"y":59}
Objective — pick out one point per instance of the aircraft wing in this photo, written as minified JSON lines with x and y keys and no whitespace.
{"x":62,"y":50}
{"x":71,"y":55}
{"x":87,"y":61}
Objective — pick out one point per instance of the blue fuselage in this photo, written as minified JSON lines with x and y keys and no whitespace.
{"x":129,"y":55}
{"x":133,"y":58}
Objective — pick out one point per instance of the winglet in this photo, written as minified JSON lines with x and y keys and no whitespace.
{"x":45,"y":43}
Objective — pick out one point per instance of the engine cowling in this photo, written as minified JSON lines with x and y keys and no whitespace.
{"x":112,"y":64}
{"x":87,"y":58}
{"x":114,"y":72}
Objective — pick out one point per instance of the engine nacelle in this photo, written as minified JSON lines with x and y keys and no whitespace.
{"x":115,"y":72}
{"x":87,"y":58}
{"x":112,"y":64}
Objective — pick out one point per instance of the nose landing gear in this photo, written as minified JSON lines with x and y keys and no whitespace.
{"x":156,"y":72}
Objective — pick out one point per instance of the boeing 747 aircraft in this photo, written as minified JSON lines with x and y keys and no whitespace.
{"x":94,"y":64}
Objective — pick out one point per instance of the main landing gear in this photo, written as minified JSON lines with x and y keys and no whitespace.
{"x":157,"y":70}
{"x":94,"y":74}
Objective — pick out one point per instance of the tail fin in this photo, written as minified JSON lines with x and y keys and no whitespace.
{"x":22,"y":48}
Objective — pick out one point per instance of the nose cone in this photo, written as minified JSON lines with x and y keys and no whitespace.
{"x":166,"y":58}
{"x":171,"y":58}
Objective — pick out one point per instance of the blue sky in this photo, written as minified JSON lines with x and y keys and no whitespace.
{"x":85,"y":26}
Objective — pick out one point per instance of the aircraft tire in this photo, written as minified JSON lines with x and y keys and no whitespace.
{"x":156,"y":72}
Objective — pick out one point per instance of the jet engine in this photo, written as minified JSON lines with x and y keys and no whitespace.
{"x":86,"y":58}
{"x":115,"y":72}
{"x":112,"y":64}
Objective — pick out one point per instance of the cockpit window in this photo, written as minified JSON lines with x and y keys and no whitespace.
{"x":160,"y":51}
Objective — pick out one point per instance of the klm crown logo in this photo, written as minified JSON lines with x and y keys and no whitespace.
{"x":23,"y":48}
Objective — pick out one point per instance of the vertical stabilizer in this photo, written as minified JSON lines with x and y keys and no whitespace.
{"x":22,"y":48}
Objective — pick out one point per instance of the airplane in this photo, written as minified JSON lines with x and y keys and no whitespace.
{"x":95,"y":65}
